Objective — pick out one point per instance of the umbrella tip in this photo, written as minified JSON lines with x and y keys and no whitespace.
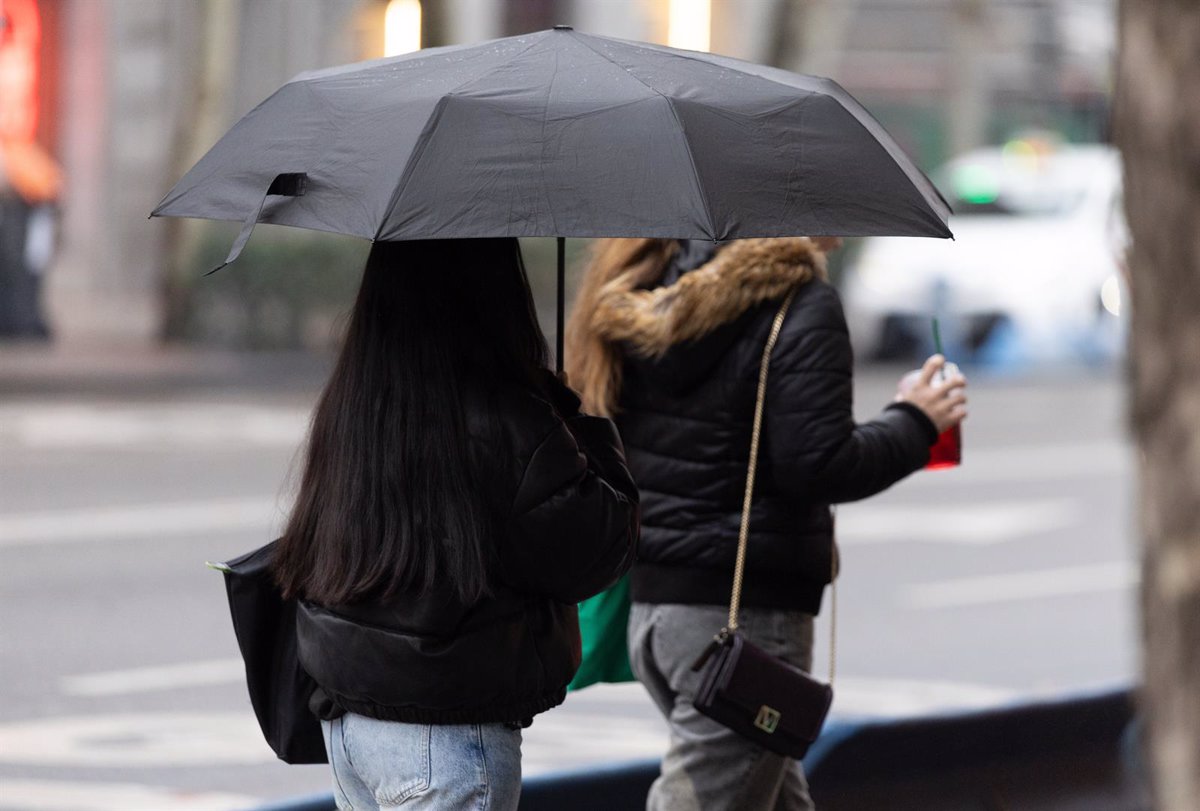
{"x":564,"y":28}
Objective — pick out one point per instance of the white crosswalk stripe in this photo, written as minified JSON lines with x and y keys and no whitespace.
{"x":1030,"y":585}
{"x":135,"y":740}
{"x":61,"y":795}
{"x":54,"y":425}
{"x":51,"y":426}
{"x":619,"y":720}
{"x":1045,"y":462}
{"x":967,"y":524}
{"x":150,"y":679}
{"x":137,"y":521}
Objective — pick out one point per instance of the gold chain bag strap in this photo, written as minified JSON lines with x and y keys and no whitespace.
{"x":757,"y":695}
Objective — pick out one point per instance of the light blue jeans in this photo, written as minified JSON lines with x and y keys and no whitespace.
{"x":379,"y":765}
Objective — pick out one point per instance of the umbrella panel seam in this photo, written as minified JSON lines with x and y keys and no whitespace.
{"x":682,"y":132}
{"x":410,"y":166}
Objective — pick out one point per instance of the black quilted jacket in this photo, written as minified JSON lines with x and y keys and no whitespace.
{"x":685,"y":419}
{"x":570,"y":518}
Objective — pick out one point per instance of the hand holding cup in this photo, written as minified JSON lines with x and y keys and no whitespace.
{"x":937,"y":388}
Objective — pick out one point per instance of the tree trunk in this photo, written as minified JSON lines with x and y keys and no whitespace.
{"x":209,"y":71}
{"x":970,"y":45}
{"x":1158,"y":129}
{"x":809,"y":36}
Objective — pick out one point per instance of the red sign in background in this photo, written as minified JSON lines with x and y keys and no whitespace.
{"x":24,"y":164}
{"x":20,"y":43}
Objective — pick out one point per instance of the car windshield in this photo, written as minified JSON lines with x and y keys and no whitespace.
{"x":1017,"y":185}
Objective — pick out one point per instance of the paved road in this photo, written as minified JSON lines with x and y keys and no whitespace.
{"x":1009,"y":577}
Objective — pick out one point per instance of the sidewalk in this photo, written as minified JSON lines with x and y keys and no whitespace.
{"x":148,"y":370}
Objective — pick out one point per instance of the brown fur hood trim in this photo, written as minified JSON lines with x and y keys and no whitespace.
{"x":741,"y":275}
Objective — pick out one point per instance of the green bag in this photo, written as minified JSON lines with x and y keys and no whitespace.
{"x":603,"y":621}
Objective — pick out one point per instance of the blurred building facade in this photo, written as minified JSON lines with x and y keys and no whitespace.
{"x":141,"y":88}
{"x":131,"y":92}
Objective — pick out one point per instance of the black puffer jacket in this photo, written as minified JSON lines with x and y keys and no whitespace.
{"x":692,"y":351}
{"x":570,"y":516}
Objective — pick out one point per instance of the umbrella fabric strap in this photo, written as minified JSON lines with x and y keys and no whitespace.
{"x":289,"y":184}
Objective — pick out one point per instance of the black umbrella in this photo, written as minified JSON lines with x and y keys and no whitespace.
{"x":561,"y":134}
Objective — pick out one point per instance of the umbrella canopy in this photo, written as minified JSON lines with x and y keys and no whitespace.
{"x":565,"y":134}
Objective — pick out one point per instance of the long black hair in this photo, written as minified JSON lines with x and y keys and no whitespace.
{"x":389,"y":498}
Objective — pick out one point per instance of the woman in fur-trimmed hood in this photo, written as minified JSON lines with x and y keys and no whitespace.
{"x":667,"y":337}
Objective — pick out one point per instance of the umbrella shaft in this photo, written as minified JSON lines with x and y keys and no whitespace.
{"x":562,"y":274}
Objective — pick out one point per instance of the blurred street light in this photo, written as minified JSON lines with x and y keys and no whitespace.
{"x":690,"y":24}
{"x":402,"y":27}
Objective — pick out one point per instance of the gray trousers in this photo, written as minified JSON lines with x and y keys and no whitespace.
{"x":708,"y":767}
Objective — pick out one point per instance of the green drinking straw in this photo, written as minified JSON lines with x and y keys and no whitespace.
{"x":937,"y":344}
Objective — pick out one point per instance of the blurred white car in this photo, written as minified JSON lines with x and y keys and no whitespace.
{"x":1034,"y":270}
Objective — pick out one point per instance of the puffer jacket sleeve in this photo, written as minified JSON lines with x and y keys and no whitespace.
{"x":815,"y":449}
{"x":574,"y":523}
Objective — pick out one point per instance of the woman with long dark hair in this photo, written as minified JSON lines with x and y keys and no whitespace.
{"x":668,"y":337}
{"x":454,"y":507}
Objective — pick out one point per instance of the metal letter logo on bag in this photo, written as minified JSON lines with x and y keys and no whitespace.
{"x":767,"y":719}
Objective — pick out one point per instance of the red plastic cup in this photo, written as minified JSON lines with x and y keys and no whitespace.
{"x":947,"y":451}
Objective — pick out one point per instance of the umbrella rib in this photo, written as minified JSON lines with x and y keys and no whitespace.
{"x":423,"y":141}
{"x":683,"y":133}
